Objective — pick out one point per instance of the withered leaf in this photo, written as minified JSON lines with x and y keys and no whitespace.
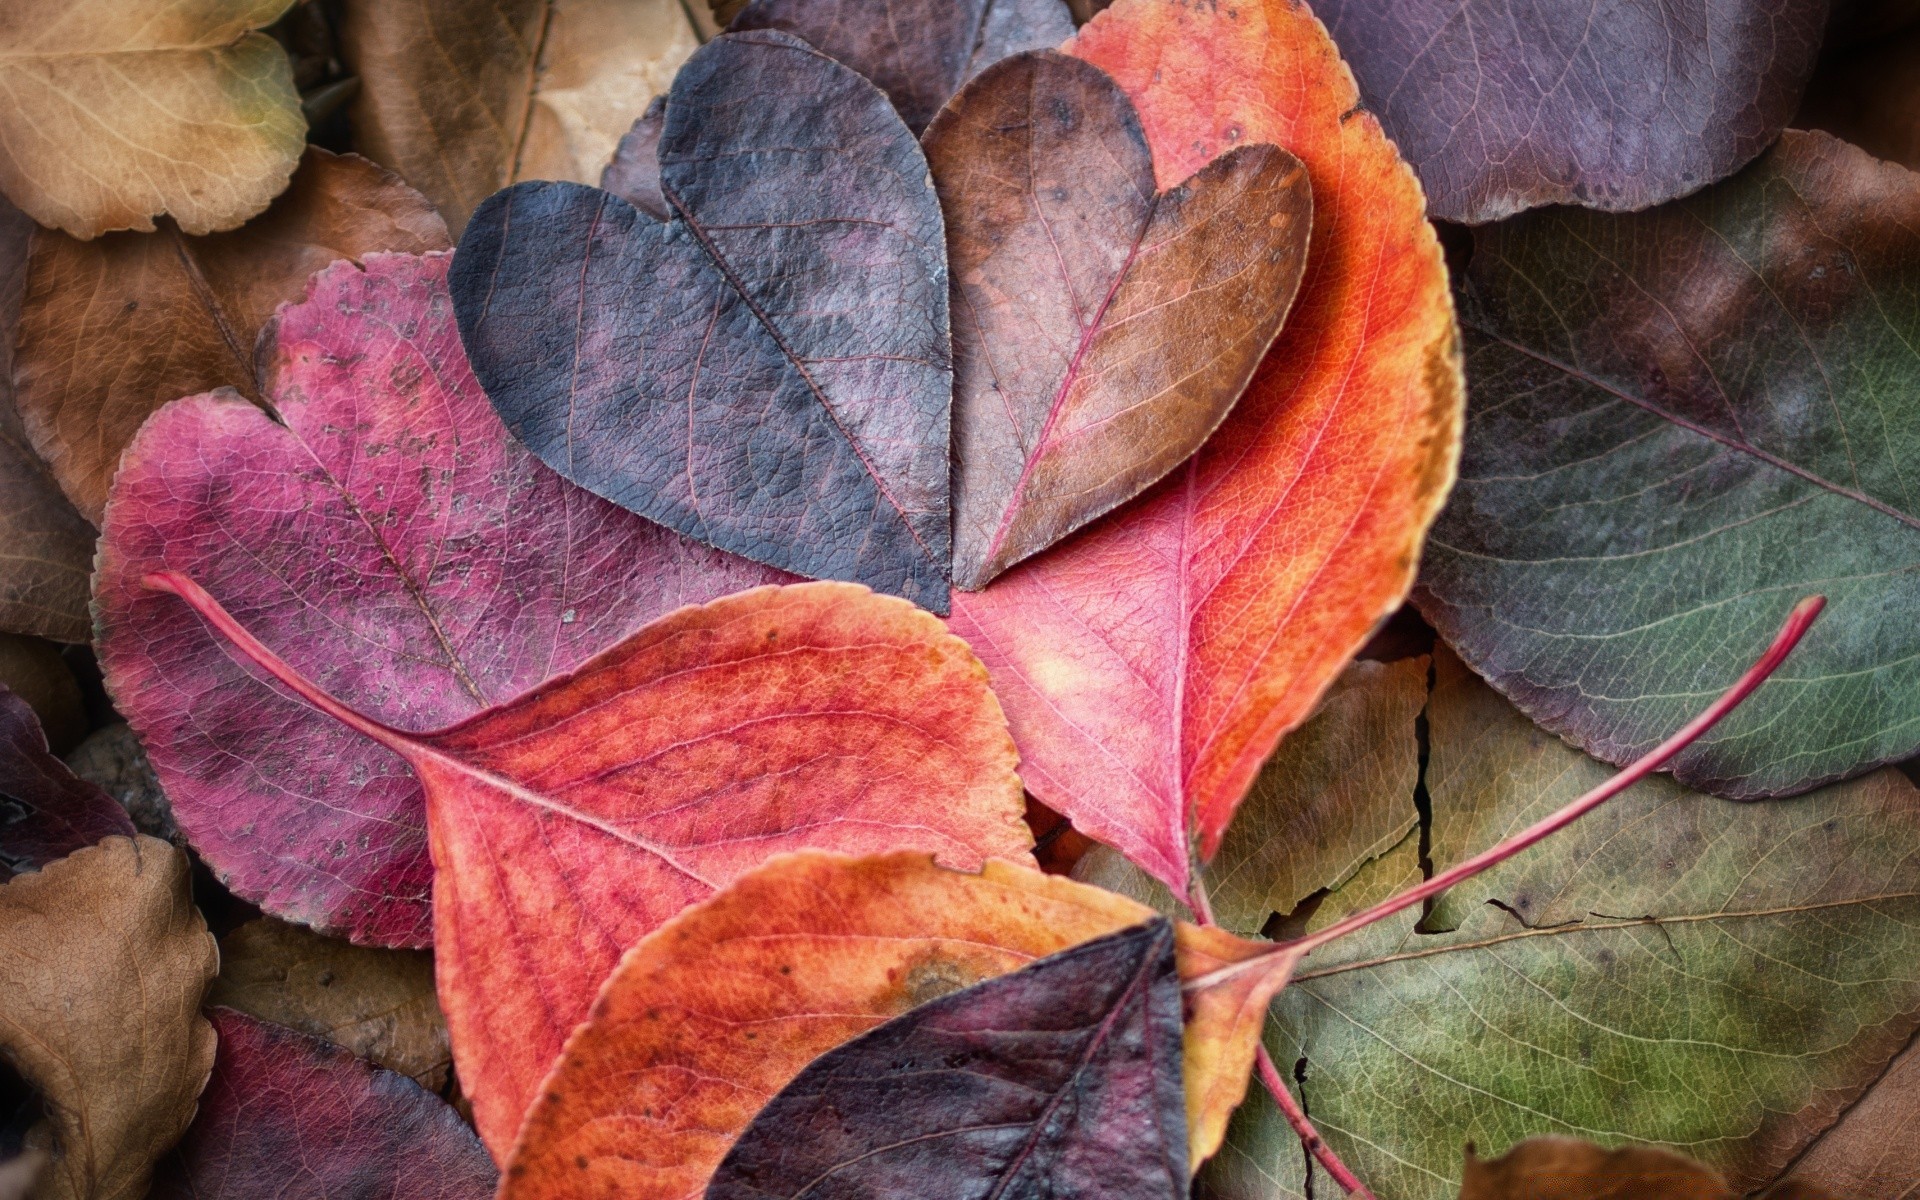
{"x":103,"y":962}
{"x":918,"y":52}
{"x":1874,"y":1148}
{"x":1565,"y":1168}
{"x":1102,"y":328}
{"x":114,"y":328}
{"x":45,"y":811}
{"x":1059,"y":1079}
{"x":769,"y":371}
{"x":292,"y":1117}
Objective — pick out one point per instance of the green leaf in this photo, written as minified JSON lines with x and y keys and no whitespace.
{"x":1682,"y":421}
{"x":1717,"y":978}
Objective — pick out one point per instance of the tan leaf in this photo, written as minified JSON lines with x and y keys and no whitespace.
{"x":1874,"y":1148}
{"x":103,"y":963}
{"x":114,"y":328}
{"x":466,"y":96}
{"x":377,"y":1003}
{"x":116,"y":113}
{"x":1564,"y":1168}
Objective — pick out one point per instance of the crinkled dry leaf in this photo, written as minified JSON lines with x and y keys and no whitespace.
{"x":117,"y":113}
{"x":45,"y":812}
{"x":116,"y":327}
{"x":377,"y":1003}
{"x":464,"y":97}
{"x":103,"y":963}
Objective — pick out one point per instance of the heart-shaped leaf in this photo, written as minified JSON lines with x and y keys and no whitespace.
{"x":769,"y":371}
{"x":918,"y":52}
{"x":1149,"y":665}
{"x":45,"y":812}
{"x":382,"y":528}
{"x":815,"y":715}
{"x":1101,"y":329}
{"x":1504,"y":105}
{"x":1683,"y":419}
{"x":293,"y":1117}
{"x":1060,"y":1079}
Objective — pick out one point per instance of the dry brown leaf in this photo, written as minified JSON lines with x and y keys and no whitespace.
{"x":103,"y":963}
{"x":466,"y":96}
{"x":1564,"y":1168}
{"x":119,"y":112}
{"x":114,"y":328}
{"x":377,"y":1003}
{"x":1874,"y":1148}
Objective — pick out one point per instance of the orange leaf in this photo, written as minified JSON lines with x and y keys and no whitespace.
{"x":569,"y":823}
{"x":1151,"y":664}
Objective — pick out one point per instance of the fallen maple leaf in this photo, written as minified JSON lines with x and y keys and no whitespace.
{"x":780,"y":387}
{"x":382,"y":528}
{"x":1102,"y":329}
{"x":1564,"y":1168}
{"x":103,"y":961}
{"x":114,"y":328}
{"x":1150,"y":665}
{"x":1059,"y":1079}
{"x":1681,"y":419}
{"x":918,"y":52}
{"x":117,"y":114}
{"x":45,"y":812}
{"x":467,"y":96}
{"x":814,"y":715}
{"x":293,"y":1117}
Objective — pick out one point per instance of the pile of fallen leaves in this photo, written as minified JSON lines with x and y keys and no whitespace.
{"x":1021,"y":602}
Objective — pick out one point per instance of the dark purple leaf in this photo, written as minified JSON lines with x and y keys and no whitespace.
{"x":46,"y":812}
{"x":1062,"y":1079}
{"x":769,"y":371}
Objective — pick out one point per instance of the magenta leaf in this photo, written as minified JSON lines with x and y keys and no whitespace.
{"x":46,"y":812}
{"x":412,"y":559}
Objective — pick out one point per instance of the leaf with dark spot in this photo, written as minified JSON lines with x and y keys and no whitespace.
{"x":45,"y":811}
{"x":769,"y":371}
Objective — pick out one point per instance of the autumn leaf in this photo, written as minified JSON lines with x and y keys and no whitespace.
{"x":46,"y":548}
{"x":918,"y":52}
{"x":1061,"y":1078}
{"x":1150,"y":665}
{"x":780,"y":388}
{"x":118,"y":114}
{"x":463,"y":97}
{"x":45,"y":812}
{"x":293,"y":1117}
{"x":383,"y":531}
{"x":116,"y":327}
{"x":1503,"y":107}
{"x":103,"y":961}
{"x":1683,"y":419}
{"x":1102,"y":329}
{"x":1718,"y":978}
{"x":376,"y":1004}
{"x":813,"y":715}
{"x":1873,"y":1149}
{"x":1564,"y":1168}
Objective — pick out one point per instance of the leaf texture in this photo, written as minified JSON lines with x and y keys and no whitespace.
{"x":46,"y":813}
{"x":1685,"y":420}
{"x":382,"y":529}
{"x":1150,"y":665}
{"x":1874,"y":1148}
{"x":1102,"y":328}
{"x":780,"y":388}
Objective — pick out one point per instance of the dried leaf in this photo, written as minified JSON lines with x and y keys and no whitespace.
{"x":1874,"y":1148}
{"x":1059,"y":1079}
{"x":1149,"y":665}
{"x":918,"y":52}
{"x":377,"y":1004}
{"x":1717,"y":978}
{"x":1506,"y":106}
{"x":383,"y":530}
{"x":115,"y":328}
{"x":1102,"y":329}
{"x":1564,"y":1168}
{"x":117,"y":114}
{"x":781,"y":718}
{"x":45,"y":812}
{"x":1682,"y":423}
{"x":466,"y":96}
{"x":103,"y":961}
{"x":780,"y":388}
{"x":293,"y":1117}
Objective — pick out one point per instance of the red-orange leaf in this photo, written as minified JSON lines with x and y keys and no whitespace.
{"x":1151,"y":664}
{"x":568,"y":823}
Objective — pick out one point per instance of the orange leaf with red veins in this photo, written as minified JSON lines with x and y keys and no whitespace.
{"x":1150,"y":665}
{"x":571,"y":822}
